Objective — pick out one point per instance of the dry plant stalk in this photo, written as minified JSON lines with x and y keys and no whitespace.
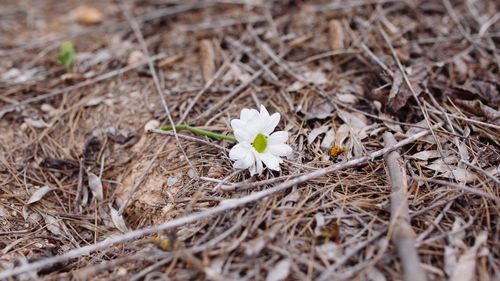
{"x":207,"y":60}
{"x":402,"y":233}
{"x":336,"y":34}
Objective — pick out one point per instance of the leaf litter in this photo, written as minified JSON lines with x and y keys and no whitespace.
{"x":329,"y":72}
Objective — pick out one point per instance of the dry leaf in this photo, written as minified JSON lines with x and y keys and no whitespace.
{"x":375,"y":275}
{"x":450,"y":259}
{"x":319,"y":109}
{"x":135,"y":57}
{"x":24,"y":212}
{"x":315,"y":133}
{"x":425,"y":155}
{"x":4,"y":212}
{"x":329,"y":251}
{"x":94,"y":101}
{"x":235,"y":73}
{"x":171,"y":181}
{"x":466,"y":266}
{"x":341,"y":135}
{"x":462,"y":175}
{"x":253,"y":247}
{"x":320,"y":221}
{"x":207,"y":60}
{"x":347,"y":98}
{"x":53,"y":225}
{"x":316,"y":77}
{"x":95,"y":186}
{"x":292,"y":197}
{"x":167,"y":62}
{"x":88,"y":15}
{"x":214,"y":270}
{"x":357,"y":122}
{"x":297,"y":85}
{"x":328,"y":140}
{"x":36,"y":123}
{"x":280,"y":271}
{"x":336,"y":34}
{"x":192,"y":174}
{"x":85,"y":196}
{"x":478,"y":108}
{"x":118,"y":220}
{"x":38,"y":194}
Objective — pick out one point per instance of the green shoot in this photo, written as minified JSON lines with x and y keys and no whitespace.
{"x":67,"y":55}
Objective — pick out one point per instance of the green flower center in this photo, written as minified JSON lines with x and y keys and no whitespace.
{"x":260,"y":143}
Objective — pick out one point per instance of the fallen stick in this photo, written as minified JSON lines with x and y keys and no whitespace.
{"x":223,"y":206}
{"x":402,"y":233}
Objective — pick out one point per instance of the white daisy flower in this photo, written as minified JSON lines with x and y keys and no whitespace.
{"x":257,"y":144}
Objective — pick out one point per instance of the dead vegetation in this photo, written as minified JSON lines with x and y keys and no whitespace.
{"x":90,"y":189}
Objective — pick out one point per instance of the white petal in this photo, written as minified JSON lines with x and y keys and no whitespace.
{"x":239,"y":151}
{"x":271,"y":161}
{"x":258,"y":162}
{"x":263,"y":112}
{"x":253,"y":169}
{"x":237,"y":124}
{"x":240,"y":130}
{"x":260,"y":167}
{"x":279,"y":149}
{"x":245,"y":162}
{"x":279,"y":137}
{"x":248,"y":114}
{"x":270,"y":124}
{"x":243,"y":136}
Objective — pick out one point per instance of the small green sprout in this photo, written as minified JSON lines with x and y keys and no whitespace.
{"x":67,"y":55}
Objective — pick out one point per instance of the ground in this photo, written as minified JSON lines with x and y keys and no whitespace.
{"x":82,"y":160}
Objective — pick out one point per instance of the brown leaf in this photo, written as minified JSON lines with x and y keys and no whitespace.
{"x":207,"y":59}
{"x":319,"y":109}
{"x":88,"y":15}
{"x":484,"y":90}
{"x":479,"y":109}
{"x":336,"y":35}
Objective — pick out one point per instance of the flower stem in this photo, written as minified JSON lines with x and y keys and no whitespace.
{"x":199,"y":132}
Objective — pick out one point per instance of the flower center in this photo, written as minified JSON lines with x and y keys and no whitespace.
{"x":260,"y":143}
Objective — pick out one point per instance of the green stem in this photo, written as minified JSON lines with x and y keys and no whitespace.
{"x":199,"y":132}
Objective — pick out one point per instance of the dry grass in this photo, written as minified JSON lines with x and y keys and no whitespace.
{"x":349,"y":71}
